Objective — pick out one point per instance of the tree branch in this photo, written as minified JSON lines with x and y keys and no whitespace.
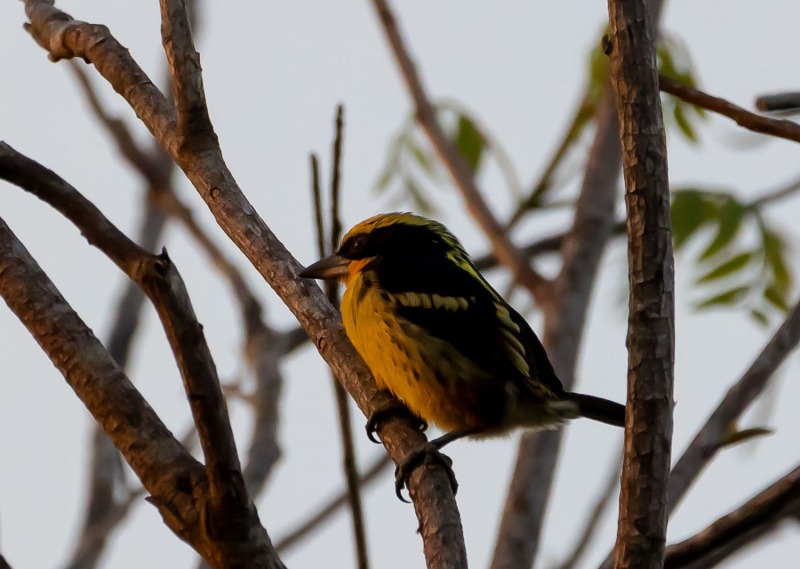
{"x":740,"y":527}
{"x":166,"y":469}
{"x":708,"y":440}
{"x":193,"y":122}
{"x":458,"y":168}
{"x":440,"y":525}
{"x":541,"y":246}
{"x":327,"y":510}
{"x":651,"y":334}
{"x":103,"y":510}
{"x":582,"y":248}
{"x":765,"y":125}
{"x":342,"y":401}
{"x":595,"y":515}
{"x":229,"y":518}
{"x":775,"y":102}
{"x":264,"y":347}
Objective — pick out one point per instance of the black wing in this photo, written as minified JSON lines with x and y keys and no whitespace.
{"x":454,"y":303}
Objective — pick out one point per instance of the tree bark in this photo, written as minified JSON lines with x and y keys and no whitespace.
{"x":651,"y":336}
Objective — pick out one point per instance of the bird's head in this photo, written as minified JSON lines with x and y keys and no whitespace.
{"x":382,"y":239}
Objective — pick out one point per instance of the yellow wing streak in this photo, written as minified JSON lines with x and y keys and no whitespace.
{"x":510,"y":331}
{"x":424,"y":300}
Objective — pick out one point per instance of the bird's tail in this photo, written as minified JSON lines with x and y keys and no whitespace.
{"x":598,"y":409}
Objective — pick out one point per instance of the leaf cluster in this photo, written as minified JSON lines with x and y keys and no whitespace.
{"x":745,"y":263}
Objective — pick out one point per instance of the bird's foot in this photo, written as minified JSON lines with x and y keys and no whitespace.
{"x":390,"y":407}
{"x":429,"y":452}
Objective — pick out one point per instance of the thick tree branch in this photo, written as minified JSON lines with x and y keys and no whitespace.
{"x":161,"y":282}
{"x":440,"y":525}
{"x":104,"y":510}
{"x":456,"y":165}
{"x":264,"y":347}
{"x":740,"y":527}
{"x":229,"y":518}
{"x":651,"y":334}
{"x":781,"y":128}
{"x":582,"y":248}
{"x":166,"y":469}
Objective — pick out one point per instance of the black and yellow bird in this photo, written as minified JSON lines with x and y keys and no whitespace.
{"x":436,"y":334}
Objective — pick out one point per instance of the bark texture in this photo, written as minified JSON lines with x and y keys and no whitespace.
{"x":651,"y":335}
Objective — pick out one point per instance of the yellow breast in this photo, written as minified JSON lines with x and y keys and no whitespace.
{"x":421,"y":370}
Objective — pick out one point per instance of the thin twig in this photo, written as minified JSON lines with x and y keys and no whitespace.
{"x":740,"y":527}
{"x":155,"y":166}
{"x":592,"y":523}
{"x":586,"y":108}
{"x":456,"y":165}
{"x":327,"y":510}
{"x":780,"y":128}
{"x":316,"y":195}
{"x":776,"y":195}
{"x":774,"y":102}
{"x":193,"y":123}
{"x":544,"y":245}
{"x":342,"y":400}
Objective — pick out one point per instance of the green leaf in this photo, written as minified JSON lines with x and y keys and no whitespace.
{"x":729,"y":219}
{"x":666,"y":63}
{"x":469,"y":142}
{"x":598,"y":70}
{"x":683,"y":122}
{"x":775,"y":298}
{"x":759,"y":316}
{"x":690,"y":210}
{"x":727,"y":268}
{"x":774,"y":249}
{"x":426,"y":162}
{"x":728,"y":297}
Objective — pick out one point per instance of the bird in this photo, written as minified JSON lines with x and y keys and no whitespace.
{"x":442,"y":340}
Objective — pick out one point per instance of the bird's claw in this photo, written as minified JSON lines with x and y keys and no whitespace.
{"x":387,"y":409}
{"x":416,"y":459}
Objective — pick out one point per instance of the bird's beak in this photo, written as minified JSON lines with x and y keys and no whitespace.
{"x":333,"y":267}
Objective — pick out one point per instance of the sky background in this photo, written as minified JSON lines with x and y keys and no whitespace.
{"x":274,"y":72}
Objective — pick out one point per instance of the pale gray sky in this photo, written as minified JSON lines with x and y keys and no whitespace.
{"x":273,"y":73}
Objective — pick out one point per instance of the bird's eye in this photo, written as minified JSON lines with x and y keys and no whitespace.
{"x":358,"y":244}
